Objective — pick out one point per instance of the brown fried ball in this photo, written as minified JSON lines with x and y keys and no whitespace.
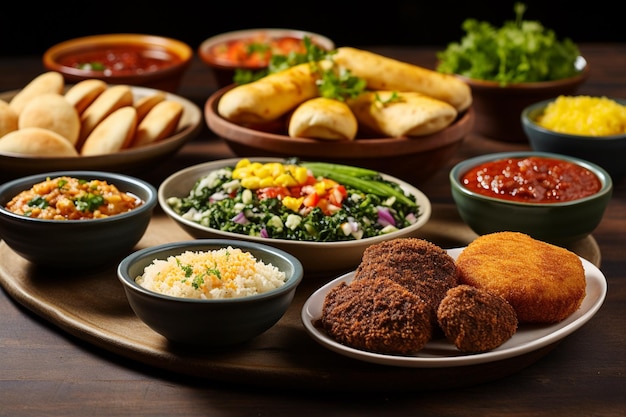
{"x":544,"y":283}
{"x":376,"y":315}
{"x":474,"y":320}
{"x":420,"y":266}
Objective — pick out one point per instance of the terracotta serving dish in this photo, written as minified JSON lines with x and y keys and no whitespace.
{"x":174,"y":54}
{"x":224,"y":70}
{"x":414,"y":159}
{"x":498,"y":108}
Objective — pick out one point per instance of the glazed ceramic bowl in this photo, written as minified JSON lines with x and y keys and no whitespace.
{"x":607,"y":151}
{"x":83,"y":58}
{"x":76,"y":244}
{"x":214,"y":50}
{"x":129,"y":161}
{"x":498,"y":107}
{"x":559,"y":223}
{"x":411,"y":159}
{"x":316,"y":257}
{"x":209,"y":322}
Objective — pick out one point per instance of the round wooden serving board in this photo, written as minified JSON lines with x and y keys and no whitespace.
{"x":92,"y":306}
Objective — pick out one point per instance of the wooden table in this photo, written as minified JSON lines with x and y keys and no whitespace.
{"x":46,"y":371}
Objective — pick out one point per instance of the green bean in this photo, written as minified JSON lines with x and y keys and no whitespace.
{"x":347,"y":175}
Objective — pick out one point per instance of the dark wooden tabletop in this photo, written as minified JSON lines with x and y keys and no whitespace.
{"x":47,"y":372}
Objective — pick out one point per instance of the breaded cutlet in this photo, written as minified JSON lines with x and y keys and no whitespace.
{"x":420,"y":266}
{"x":376,"y":315}
{"x":544,"y":283}
{"x":474,"y":320}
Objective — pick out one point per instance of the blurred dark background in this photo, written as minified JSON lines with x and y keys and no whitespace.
{"x":30,"y":28}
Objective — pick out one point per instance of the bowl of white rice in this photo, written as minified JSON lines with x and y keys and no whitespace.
{"x":210,"y":292}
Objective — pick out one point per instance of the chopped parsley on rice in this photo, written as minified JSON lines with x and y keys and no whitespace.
{"x":222,"y":273}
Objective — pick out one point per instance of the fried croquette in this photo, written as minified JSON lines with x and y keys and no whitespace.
{"x":543,"y":283}
{"x":420,"y":266}
{"x":474,"y":320}
{"x":376,"y":315}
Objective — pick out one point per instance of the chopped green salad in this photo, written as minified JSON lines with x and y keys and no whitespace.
{"x":518,"y":51}
{"x":293,"y":200}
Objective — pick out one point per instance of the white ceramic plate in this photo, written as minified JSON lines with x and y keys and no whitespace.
{"x":441,"y":353}
{"x":127,"y":161}
{"x":315,"y":256}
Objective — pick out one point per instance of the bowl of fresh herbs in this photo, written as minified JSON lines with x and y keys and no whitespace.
{"x":510,"y":67}
{"x":322,"y":213}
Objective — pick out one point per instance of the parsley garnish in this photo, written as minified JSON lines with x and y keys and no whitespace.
{"x":518,"y":51}
{"x":39,"y":202}
{"x":333,"y":83}
{"x":89,"y":202}
{"x":187,"y":269}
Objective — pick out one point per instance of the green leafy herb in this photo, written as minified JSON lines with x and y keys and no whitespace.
{"x":519,"y":51}
{"x":393,"y":98}
{"x":335,"y":84}
{"x":187,"y":269}
{"x":39,"y":202}
{"x":89,"y":202}
{"x":198,"y":280}
{"x":91,"y":66}
{"x":214,"y":271}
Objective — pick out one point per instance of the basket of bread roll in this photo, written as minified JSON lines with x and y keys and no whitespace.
{"x":349,"y":106}
{"x":48,"y":125}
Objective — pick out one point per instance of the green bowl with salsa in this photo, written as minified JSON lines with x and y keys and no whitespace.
{"x":555,"y":198}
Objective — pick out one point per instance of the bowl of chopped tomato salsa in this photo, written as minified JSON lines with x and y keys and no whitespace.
{"x":122,"y":58}
{"x":551,"y":197}
{"x":247,"y":53}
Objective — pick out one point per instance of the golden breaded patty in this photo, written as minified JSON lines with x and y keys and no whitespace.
{"x":420,"y":266}
{"x":376,"y":315}
{"x":475,"y":320}
{"x":544,"y":283}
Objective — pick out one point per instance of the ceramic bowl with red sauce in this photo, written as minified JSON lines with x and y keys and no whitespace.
{"x":122,"y":58}
{"x":552,"y":197}
{"x":251,"y":49}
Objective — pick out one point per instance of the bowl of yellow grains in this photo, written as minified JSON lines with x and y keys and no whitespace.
{"x":587,"y":127}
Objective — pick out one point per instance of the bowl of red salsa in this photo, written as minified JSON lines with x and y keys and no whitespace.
{"x":552,"y":197}
{"x":122,"y":58}
{"x":252,"y":49}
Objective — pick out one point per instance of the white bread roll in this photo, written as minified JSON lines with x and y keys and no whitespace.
{"x":48,"y":82}
{"x":82,"y":94}
{"x":405,"y":114}
{"x":112,"y":134}
{"x":323,"y":118}
{"x":383,"y":73}
{"x":36,"y":141}
{"x":53,"y":112}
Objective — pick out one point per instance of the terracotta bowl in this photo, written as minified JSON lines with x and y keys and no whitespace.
{"x":175,"y":55}
{"x":224,"y":71}
{"x":414,"y":159}
{"x":498,"y":108}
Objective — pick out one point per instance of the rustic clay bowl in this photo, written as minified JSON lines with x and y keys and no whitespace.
{"x":178,"y":55}
{"x":498,"y":108}
{"x":225,"y":71}
{"x":412,"y":159}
